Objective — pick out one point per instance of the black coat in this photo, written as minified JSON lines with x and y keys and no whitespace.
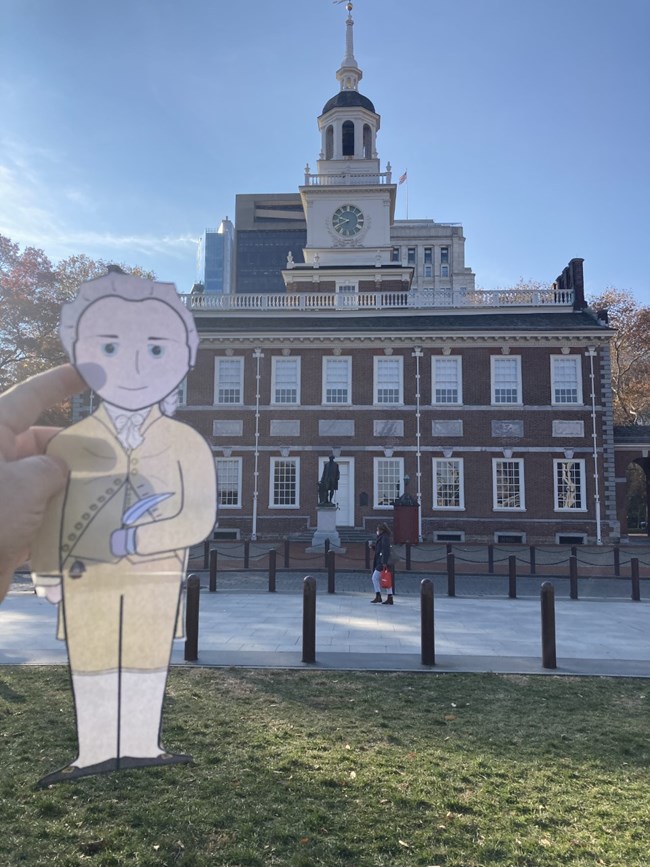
{"x":382,"y":552}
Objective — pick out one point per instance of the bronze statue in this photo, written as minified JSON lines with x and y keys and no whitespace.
{"x":329,"y":482}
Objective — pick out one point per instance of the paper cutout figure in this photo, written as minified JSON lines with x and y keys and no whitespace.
{"x":142,"y":490}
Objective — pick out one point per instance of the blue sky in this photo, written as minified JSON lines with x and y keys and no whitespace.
{"x":128,"y":127}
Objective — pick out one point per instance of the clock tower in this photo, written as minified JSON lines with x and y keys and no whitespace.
{"x":349,"y":203}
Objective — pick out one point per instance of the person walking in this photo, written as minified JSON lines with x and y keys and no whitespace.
{"x":382,"y":555}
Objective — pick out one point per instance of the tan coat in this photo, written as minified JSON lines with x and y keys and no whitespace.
{"x":105,"y":480}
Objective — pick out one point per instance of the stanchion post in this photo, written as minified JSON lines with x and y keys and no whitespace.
{"x":408,"y":556}
{"x":213,"y":571}
{"x":451,"y":575}
{"x":247,"y":554}
{"x":512,"y":576}
{"x":273,"y":556}
{"x":636,"y":587}
{"x":393,"y":572}
{"x":490,"y":559}
{"x":366,"y":551}
{"x":427,"y":623}
{"x":330,"y":562}
{"x":192,"y":618}
{"x":617,"y":561}
{"x":309,"y":619}
{"x":547,"y":594}
{"x":326,"y":549}
{"x":573,"y":577}
{"x":533,"y":560}
{"x":206,"y":552}
{"x":287,"y":553}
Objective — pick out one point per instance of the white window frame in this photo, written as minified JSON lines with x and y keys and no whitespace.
{"x":279,"y":360}
{"x":274,"y":462}
{"x":582,"y":481}
{"x":576,"y":360}
{"x":235,"y":462}
{"x":458,"y":361}
{"x":380,"y":360}
{"x":438,"y":462}
{"x":521,"y":507}
{"x":330,"y":359}
{"x":219,"y":359}
{"x":495,"y":360}
{"x":347,"y":294}
{"x":399,"y":463}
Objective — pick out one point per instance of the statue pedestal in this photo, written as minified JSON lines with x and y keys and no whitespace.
{"x":326,"y":529}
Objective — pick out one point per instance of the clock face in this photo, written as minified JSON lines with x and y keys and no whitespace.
{"x":348,"y":220}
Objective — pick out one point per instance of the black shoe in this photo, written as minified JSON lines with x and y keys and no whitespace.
{"x":389,"y":600}
{"x":377,"y":598}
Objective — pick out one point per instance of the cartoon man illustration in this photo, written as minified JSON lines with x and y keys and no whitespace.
{"x":141,"y":491}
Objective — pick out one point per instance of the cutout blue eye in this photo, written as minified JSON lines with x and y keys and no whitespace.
{"x":156,"y":350}
{"x":109,"y":348}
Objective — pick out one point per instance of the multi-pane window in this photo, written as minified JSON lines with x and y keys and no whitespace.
{"x":508,"y":483}
{"x":285,"y":388}
{"x":395,"y":255}
{"x":284,"y":483}
{"x":566,"y":379}
{"x":410,"y":255}
{"x":446,"y":374}
{"x":228,"y":482}
{"x":388,"y":380}
{"x":444,"y":261}
{"x":506,"y":379}
{"x":347,"y":294}
{"x":337,"y":380}
{"x":389,"y":474}
{"x":569,"y":485}
{"x":228,"y":380}
{"x":448,"y":490}
{"x":428,"y":261}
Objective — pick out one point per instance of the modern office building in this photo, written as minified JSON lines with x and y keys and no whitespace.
{"x":355,"y":335}
{"x":214,"y":259}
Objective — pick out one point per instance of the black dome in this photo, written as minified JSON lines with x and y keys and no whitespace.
{"x":348,"y":99}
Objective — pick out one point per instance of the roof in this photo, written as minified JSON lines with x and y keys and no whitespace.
{"x":348,"y":99}
{"x":484,"y":324}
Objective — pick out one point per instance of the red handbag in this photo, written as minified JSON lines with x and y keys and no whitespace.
{"x":385,"y":578}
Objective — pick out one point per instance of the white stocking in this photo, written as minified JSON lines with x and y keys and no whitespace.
{"x":142,"y":699}
{"x":96,"y":703}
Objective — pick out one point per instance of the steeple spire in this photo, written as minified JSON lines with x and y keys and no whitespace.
{"x":349,"y":74}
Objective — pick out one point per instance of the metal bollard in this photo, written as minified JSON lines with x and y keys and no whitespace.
{"x":547,"y":597}
{"x":617,"y":562}
{"x":287,"y":554}
{"x":273,"y":555}
{"x":326,"y":549}
{"x":573,"y":577}
{"x":533,"y":560}
{"x":247,"y":554}
{"x":636,"y":587}
{"x":427,"y":622}
{"x":366,"y":551}
{"x":330,"y":561}
{"x":391,"y":567}
{"x":213,"y":571}
{"x":192,"y":618}
{"x":490,"y":559}
{"x":512,"y":576}
{"x":451,"y":575}
{"x":206,"y":553}
{"x":408,"y":556}
{"x":309,"y":619}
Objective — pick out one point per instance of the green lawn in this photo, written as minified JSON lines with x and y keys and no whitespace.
{"x":312,"y":768}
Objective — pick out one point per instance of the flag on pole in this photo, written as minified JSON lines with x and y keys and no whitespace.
{"x":403,"y":177}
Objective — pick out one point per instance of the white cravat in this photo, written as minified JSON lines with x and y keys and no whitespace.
{"x":127,"y":425}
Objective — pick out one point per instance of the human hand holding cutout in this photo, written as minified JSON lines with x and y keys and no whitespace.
{"x":28,"y":477}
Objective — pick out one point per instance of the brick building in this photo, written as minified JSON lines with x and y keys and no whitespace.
{"x":494,"y":407}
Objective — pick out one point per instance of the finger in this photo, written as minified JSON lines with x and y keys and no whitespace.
{"x":34,"y":441}
{"x":24,"y":403}
{"x":37,"y":479}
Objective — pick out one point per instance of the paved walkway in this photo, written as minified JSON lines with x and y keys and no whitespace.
{"x":246,"y":626}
